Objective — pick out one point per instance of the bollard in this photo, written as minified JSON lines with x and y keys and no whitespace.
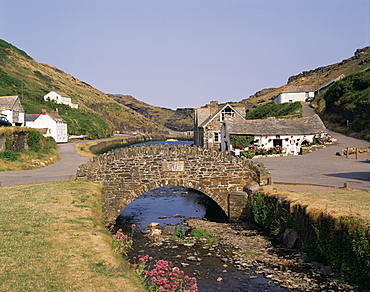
{"x":346,"y":185}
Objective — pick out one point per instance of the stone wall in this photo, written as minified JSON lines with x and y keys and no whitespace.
{"x":128,"y":173}
{"x":17,"y":141}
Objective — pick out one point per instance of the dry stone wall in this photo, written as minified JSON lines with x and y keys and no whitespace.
{"x":128,"y":173}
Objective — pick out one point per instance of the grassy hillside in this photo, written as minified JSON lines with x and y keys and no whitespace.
{"x":345,"y":106}
{"x":317,"y":77}
{"x":98,"y":114}
{"x":279,"y":111}
{"x":179,"y":120}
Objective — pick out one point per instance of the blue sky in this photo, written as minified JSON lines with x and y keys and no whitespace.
{"x":185,"y":53}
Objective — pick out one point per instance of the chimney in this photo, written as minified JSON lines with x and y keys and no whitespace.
{"x":214,"y":107}
{"x":44,"y":111}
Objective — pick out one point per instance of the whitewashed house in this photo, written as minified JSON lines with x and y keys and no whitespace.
{"x":50,"y":124}
{"x":60,"y":98}
{"x":290,"y":135}
{"x":12,"y":110}
{"x":295,"y":93}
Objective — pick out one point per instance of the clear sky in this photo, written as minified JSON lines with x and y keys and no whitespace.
{"x":185,"y":53}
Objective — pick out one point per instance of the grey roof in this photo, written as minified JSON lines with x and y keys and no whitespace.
{"x":273,"y":126}
{"x":7,"y":102}
{"x":31,"y":118}
{"x":56,"y":117}
{"x":292,"y":89}
{"x":61,"y":93}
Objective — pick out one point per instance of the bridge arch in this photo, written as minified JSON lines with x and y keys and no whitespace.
{"x":128,"y":173}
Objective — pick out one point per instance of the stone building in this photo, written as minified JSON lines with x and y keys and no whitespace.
{"x":12,"y":110}
{"x":208,"y":123}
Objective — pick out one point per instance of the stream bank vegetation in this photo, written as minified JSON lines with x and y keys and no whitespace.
{"x":156,"y":275}
{"x":337,"y":238}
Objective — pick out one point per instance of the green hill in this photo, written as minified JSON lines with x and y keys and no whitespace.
{"x":98,"y":114}
{"x":179,"y":120}
{"x":360,"y":61}
{"x":345,"y":106}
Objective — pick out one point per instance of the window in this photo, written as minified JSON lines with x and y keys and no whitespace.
{"x":227,"y":112}
{"x":217,"y":136}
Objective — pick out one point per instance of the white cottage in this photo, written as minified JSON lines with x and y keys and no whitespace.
{"x":290,"y":135}
{"x":12,"y":109}
{"x":295,"y":93}
{"x":60,"y":98}
{"x":50,"y":124}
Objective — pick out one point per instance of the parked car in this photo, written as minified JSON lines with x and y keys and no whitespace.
{"x":4,"y":122}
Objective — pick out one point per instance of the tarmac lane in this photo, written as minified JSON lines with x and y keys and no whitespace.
{"x":62,"y":170}
{"x":321,"y":167}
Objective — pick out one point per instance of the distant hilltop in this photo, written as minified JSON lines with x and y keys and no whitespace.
{"x":360,"y":61}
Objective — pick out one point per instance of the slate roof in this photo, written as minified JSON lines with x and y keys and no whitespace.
{"x":273,"y":126}
{"x":294,"y":89}
{"x":61,"y":93}
{"x":56,"y":117}
{"x":31,"y":118}
{"x":7,"y":102}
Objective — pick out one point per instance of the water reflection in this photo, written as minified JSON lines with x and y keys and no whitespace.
{"x":169,"y":205}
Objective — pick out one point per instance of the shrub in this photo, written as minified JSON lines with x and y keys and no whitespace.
{"x":9,"y":155}
{"x":34,"y":140}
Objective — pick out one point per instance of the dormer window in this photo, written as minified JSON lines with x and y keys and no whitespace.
{"x":227,"y":112}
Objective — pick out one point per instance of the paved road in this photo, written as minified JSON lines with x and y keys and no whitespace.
{"x":62,"y":170}
{"x":323,"y":167}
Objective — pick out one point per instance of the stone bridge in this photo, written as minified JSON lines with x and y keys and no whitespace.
{"x":128,"y":173}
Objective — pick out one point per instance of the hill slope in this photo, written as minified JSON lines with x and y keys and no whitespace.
{"x":360,"y":61}
{"x":345,"y":106}
{"x":98,"y":114}
{"x":179,"y":120}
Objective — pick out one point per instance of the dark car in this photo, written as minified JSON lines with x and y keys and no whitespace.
{"x":4,"y":122}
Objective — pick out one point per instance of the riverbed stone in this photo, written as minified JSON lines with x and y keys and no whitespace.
{"x":290,"y":237}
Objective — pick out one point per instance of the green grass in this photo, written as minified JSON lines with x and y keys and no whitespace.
{"x":49,"y":243}
{"x":279,"y":111}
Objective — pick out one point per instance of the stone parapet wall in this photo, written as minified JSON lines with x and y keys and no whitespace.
{"x":14,"y":140}
{"x":129,"y":172}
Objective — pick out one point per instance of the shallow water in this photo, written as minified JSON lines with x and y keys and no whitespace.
{"x":160,"y":205}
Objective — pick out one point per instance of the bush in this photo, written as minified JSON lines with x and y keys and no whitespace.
{"x":34,"y":140}
{"x":9,"y":155}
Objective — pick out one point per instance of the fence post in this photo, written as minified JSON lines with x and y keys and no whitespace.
{"x":356,"y":152}
{"x":347,"y":152}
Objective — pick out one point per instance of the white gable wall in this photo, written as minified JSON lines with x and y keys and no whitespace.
{"x":293,"y":96}
{"x":56,"y":129}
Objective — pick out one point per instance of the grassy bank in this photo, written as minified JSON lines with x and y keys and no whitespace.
{"x":53,"y":240}
{"x":331,"y":224}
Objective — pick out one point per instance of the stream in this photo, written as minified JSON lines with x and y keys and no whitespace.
{"x":241,"y":259}
{"x":171,"y":206}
